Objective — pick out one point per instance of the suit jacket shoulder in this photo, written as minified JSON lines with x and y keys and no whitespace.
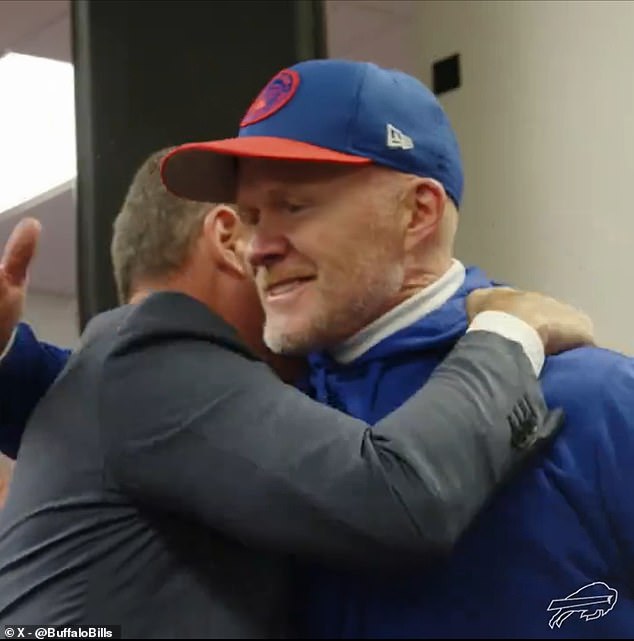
{"x":166,"y":316}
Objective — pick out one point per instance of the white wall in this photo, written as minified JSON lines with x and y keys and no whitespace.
{"x":53,"y":318}
{"x":373,"y":30}
{"x":545,"y":118}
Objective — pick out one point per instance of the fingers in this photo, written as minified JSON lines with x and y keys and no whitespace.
{"x":20,"y":250}
{"x":485,"y":298}
{"x":573,"y":335}
{"x":560,"y":325}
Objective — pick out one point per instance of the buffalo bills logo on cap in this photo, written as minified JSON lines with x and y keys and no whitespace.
{"x":273,"y":97}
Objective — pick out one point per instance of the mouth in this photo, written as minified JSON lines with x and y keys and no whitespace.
{"x":286,"y":288}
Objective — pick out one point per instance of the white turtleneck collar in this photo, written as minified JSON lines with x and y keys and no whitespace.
{"x":409,"y":311}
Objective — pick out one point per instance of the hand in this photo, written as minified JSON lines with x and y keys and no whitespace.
{"x":560,"y":326}
{"x":16,"y":259}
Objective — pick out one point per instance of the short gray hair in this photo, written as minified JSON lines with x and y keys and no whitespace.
{"x":154,"y":231}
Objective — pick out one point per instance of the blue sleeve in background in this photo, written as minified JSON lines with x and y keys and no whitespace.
{"x":26,"y":372}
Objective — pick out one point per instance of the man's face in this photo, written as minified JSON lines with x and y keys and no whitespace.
{"x":325,"y":247}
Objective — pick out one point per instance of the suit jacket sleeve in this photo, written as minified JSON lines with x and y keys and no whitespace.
{"x":26,"y":373}
{"x":200,"y":430}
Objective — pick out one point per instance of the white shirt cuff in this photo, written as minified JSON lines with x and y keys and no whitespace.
{"x":9,"y":344}
{"x":513,"y":329}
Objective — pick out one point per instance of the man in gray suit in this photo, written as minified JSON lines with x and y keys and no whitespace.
{"x":167,"y":477}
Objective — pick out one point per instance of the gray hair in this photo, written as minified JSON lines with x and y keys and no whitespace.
{"x":154,"y":231}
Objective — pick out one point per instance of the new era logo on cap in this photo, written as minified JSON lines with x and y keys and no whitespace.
{"x":396,"y":139}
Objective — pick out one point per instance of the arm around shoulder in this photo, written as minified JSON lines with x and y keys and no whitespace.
{"x":199,"y":429}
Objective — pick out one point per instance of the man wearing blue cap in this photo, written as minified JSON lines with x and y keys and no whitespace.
{"x":349,"y":179}
{"x":167,"y":477}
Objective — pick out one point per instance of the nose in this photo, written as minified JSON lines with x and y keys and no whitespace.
{"x":265,"y":249}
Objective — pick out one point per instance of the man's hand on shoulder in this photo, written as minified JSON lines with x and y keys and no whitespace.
{"x":16,"y":259}
{"x":559,"y":325}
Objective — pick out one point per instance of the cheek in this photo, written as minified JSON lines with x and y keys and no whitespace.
{"x":350,"y":253}
{"x":243,"y":247}
{"x":340,"y":241}
{"x":325,"y":249}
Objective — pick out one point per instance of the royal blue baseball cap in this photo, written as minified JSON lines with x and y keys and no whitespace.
{"x":336,"y":111}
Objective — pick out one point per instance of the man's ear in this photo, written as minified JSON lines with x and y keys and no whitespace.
{"x":425,"y":200}
{"x":222,"y":230}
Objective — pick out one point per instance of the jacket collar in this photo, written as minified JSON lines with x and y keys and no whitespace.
{"x":174,"y":314}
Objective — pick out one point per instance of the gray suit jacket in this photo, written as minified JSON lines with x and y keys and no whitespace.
{"x":167,"y":477}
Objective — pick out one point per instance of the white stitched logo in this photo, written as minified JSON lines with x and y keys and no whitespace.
{"x":396,"y":139}
{"x":592,"y":601}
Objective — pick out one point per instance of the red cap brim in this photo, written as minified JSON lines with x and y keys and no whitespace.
{"x":206,"y":171}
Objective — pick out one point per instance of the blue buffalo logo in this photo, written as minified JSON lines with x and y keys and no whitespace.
{"x":589,"y":602}
{"x":273,"y":97}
